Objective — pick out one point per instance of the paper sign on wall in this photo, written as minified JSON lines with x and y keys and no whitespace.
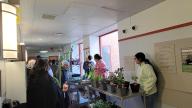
{"x":129,"y":66}
{"x":165,"y":56}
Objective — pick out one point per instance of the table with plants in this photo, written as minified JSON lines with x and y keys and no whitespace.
{"x":78,"y":90}
{"x":116,"y":86}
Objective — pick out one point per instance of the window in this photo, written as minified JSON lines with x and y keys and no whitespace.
{"x":109,"y":48}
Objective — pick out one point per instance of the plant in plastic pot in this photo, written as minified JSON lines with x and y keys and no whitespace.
{"x":104,"y":83}
{"x":91,"y":77}
{"x":113,"y":87}
{"x":109,"y":81}
{"x":135,"y":87}
{"x":123,"y":86}
{"x":96,"y":81}
{"x":121,"y":90}
{"x":113,"y":83}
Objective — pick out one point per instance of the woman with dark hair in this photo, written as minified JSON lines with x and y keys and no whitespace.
{"x":147,"y":79}
{"x":100,"y":70}
{"x":100,"y":67}
{"x":42,"y":91}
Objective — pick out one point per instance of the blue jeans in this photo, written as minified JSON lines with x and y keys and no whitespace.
{"x":151,"y":100}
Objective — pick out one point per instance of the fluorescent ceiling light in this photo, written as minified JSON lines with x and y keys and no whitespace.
{"x":22,"y":43}
{"x":44,"y":51}
{"x":40,"y":39}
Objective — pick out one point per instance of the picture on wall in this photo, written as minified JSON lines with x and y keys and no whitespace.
{"x":186,"y":60}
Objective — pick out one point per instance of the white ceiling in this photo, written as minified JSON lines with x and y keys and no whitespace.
{"x":74,"y":18}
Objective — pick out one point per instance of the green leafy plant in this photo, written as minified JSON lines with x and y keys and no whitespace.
{"x":134,"y":78}
{"x":119,"y":76}
{"x":102,"y":104}
{"x":98,"y":78}
{"x":91,"y":75}
{"x":135,"y":86}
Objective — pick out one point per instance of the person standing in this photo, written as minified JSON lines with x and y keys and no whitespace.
{"x":100,"y":70}
{"x":65,"y":71}
{"x":100,"y":67}
{"x":42,"y":91}
{"x":88,"y":65}
{"x":54,"y":68}
{"x":147,"y":79}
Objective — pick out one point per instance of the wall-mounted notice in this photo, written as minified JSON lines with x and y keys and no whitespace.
{"x":129,"y":63}
{"x":165,"y":56}
{"x":186,"y":55}
{"x":129,"y":66}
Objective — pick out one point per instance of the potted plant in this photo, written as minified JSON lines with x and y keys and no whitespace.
{"x":123,"y":86}
{"x":135,"y":86}
{"x":104,"y":83}
{"x":101,"y":104}
{"x":109,"y":80}
{"x":113,"y":87}
{"x":91,"y":77}
{"x":96,"y":81}
{"x":112,"y":83}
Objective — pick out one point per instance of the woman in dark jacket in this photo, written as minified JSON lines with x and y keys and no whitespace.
{"x":42,"y":91}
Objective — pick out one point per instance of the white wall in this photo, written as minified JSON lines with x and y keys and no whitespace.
{"x":165,"y":14}
{"x":16,"y":81}
{"x":13,"y":81}
{"x":3,"y":75}
{"x":3,"y":82}
{"x":146,"y":44}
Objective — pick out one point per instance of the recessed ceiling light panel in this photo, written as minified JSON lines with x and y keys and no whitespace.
{"x":44,"y":51}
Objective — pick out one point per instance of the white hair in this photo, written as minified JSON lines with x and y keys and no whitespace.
{"x":31,"y":64}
